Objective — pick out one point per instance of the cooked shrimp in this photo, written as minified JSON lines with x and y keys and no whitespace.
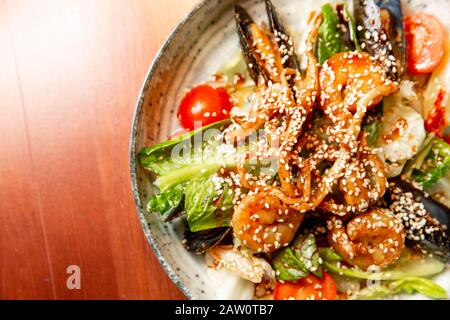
{"x":364,"y":183}
{"x":350,"y":84}
{"x":375,"y":238}
{"x":346,"y":78}
{"x":268,"y":101}
{"x":276,"y":101}
{"x":264,"y":224}
{"x":306,"y":89}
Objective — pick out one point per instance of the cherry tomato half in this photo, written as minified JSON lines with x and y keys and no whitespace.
{"x":425,"y":42}
{"x":309,"y":288}
{"x":204,"y":105}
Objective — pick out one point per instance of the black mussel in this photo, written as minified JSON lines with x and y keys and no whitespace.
{"x":392,"y":20}
{"x":243,"y":23}
{"x":372,"y":36}
{"x":285,"y":42}
{"x":202,"y":241}
{"x":425,"y":221}
{"x":174,"y":214}
{"x":437,"y":210}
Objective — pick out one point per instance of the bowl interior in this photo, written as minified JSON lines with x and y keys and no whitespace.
{"x":196,"y":49}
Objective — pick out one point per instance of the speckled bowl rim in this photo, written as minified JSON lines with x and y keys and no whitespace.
{"x":132,"y":150}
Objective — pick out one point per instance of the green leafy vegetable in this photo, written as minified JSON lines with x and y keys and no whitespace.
{"x":167,"y":202}
{"x":288,"y":267}
{"x":372,"y":130}
{"x":202,"y":211}
{"x":305,"y":250}
{"x":329,"y":41}
{"x":352,"y":29}
{"x":329,"y":255}
{"x":296,"y":261}
{"x":374,"y":293}
{"x":408,"y":285}
{"x":404,"y":276}
{"x":184,"y":174}
{"x":186,"y":170}
{"x":420,"y":285}
{"x":409,"y":265}
{"x":435,"y":165}
{"x":181,"y":159}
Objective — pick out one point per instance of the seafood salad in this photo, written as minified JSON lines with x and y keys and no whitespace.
{"x":317,"y":166}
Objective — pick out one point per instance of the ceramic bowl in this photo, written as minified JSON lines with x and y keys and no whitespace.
{"x":201,"y":43}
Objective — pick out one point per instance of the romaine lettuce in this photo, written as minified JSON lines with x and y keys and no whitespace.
{"x":296,"y":261}
{"x":205,"y":206}
{"x":408,"y":285}
{"x":185,"y":170}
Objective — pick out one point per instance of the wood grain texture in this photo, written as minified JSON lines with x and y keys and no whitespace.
{"x":70,"y":74}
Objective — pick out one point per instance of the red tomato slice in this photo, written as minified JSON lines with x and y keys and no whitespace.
{"x":309,"y":288}
{"x":204,"y":105}
{"x":286,"y":290}
{"x":329,"y":289}
{"x":425,"y":42}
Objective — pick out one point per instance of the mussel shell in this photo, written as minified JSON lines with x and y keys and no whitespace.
{"x":278,"y":29}
{"x":438,"y":241}
{"x":372,"y":36}
{"x":174,"y":214}
{"x":243,"y":23}
{"x":436,"y":209}
{"x":396,"y":32}
{"x":202,"y":241}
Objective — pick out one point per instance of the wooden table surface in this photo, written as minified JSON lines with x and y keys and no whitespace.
{"x":70,"y":73}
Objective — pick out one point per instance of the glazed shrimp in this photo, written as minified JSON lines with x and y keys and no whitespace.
{"x":264,"y":224}
{"x":346,"y":78}
{"x":293,"y":103}
{"x":352,"y":83}
{"x":306,"y":90}
{"x":375,"y":238}
{"x":364,"y":183}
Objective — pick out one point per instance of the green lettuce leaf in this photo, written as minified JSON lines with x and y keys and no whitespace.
{"x":329,"y":255}
{"x":421,"y":285}
{"x":168,"y":201}
{"x":408,"y":285}
{"x":408,"y":265}
{"x":329,"y":40}
{"x":181,"y":159}
{"x":205,"y":206}
{"x":296,"y":261}
{"x":185,"y":170}
{"x":306,"y":251}
{"x":435,"y":166}
{"x":288,"y":267}
{"x":372,"y":131}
